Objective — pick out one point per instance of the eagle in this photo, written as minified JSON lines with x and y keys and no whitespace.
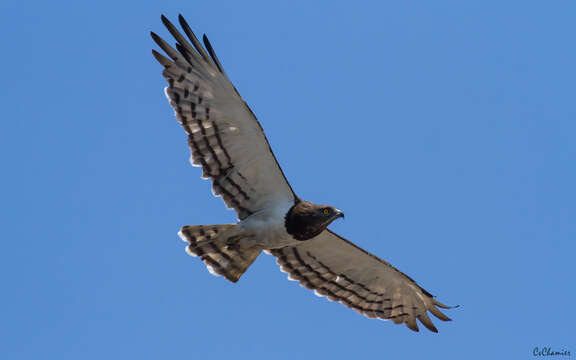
{"x":229,"y":144}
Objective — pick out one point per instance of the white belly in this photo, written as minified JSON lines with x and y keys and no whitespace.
{"x":267,"y":229}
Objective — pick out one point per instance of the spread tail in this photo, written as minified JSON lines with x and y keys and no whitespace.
{"x":210,"y":243}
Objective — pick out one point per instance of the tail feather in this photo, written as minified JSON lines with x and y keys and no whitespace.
{"x":209,"y":242}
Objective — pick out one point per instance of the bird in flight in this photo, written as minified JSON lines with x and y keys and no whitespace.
{"x":229,"y":144}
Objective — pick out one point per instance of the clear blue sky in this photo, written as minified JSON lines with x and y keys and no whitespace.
{"x":444,"y":130}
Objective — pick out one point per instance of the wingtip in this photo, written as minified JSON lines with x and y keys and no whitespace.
{"x":183,"y":21}
{"x":158,"y":40}
{"x":165,"y":21}
{"x":431,"y":327}
{"x":161,"y":59}
{"x":444,"y":306}
{"x":425,"y":320}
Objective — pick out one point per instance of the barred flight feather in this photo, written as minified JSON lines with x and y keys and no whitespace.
{"x":224,"y":136}
{"x":339,"y":270}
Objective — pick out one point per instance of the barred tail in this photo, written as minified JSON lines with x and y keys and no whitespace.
{"x":210,"y":243}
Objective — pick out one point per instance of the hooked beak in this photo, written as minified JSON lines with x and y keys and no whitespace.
{"x":339,"y":214}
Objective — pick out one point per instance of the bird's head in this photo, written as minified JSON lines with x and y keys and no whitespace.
{"x":327,"y":214}
{"x":306,"y":220}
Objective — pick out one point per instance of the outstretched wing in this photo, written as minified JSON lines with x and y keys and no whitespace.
{"x":225,"y":137}
{"x":336,"y":268}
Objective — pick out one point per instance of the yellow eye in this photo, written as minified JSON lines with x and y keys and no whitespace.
{"x":326,"y":211}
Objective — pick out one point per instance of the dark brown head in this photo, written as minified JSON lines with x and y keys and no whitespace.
{"x":306,"y":220}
